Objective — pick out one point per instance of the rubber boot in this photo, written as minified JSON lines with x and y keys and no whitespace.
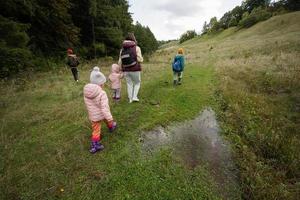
{"x":99,"y":146}
{"x":96,"y":146}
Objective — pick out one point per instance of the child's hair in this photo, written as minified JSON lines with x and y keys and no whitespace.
{"x":180,"y":51}
{"x":70,"y":51}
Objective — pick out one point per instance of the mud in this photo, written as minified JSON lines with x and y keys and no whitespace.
{"x":198,"y":142}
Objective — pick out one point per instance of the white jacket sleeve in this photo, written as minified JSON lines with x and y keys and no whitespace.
{"x":140,"y":58}
{"x":120,"y":61}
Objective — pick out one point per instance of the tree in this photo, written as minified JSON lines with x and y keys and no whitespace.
{"x":51,"y":27}
{"x":146,"y":39}
{"x":224,"y":21}
{"x":213,"y":25}
{"x":249,"y":5}
{"x":102,"y":23}
{"x":291,"y":4}
{"x":236,"y":15}
{"x":14,"y":54}
{"x":187,"y":36}
{"x":205,"y":28}
{"x":93,"y":27}
{"x":257,"y":14}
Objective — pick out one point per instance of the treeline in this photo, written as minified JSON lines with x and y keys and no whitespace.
{"x":145,"y":38}
{"x":246,"y":15}
{"x":32,"y":30}
{"x":249,"y":13}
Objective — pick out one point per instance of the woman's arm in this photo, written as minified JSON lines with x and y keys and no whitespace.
{"x":140,"y":58}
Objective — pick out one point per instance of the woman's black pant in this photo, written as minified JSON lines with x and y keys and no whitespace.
{"x":75,"y":73}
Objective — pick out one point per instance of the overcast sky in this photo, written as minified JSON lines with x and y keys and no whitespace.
{"x":168,"y":19}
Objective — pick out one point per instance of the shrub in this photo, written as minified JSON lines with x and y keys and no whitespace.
{"x":233,"y":22}
{"x":187,"y":36}
{"x":257,"y":15}
{"x":14,"y":54}
{"x":100,"y":49}
{"x":13,"y":60}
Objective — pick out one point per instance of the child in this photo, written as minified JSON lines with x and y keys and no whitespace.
{"x":73,"y":62}
{"x":115,"y":78}
{"x":178,"y":67}
{"x":96,"y":102}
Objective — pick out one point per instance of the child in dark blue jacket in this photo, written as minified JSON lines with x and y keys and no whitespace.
{"x":178,"y":67}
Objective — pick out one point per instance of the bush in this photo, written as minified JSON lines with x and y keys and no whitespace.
{"x":257,"y":15}
{"x":14,"y":54}
{"x":13,"y":60}
{"x":187,"y":36}
{"x":247,"y":20}
{"x":100,"y":49}
{"x":233,"y":22}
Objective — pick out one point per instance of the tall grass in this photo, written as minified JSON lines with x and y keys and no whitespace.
{"x":258,"y":92}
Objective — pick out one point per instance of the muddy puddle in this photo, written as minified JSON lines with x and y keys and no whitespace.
{"x":198,"y":142}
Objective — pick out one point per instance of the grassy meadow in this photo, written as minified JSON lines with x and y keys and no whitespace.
{"x":45,"y":136}
{"x":250,"y":77}
{"x":258,"y":92}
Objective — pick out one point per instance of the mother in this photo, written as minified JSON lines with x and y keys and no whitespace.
{"x":130,"y":60}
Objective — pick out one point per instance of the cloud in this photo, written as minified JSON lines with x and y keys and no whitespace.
{"x":168,"y":19}
{"x":176,"y":8}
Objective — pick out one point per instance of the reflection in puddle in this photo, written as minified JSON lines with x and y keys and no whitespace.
{"x":198,"y":142}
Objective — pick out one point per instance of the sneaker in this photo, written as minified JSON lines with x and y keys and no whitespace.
{"x":130,"y":100}
{"x":179,"y":81}
{"x":114,"y":126}
{"x":135,"y":100}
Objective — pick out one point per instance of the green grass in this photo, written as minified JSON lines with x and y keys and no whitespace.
{"x":45,"y":139}
{"x":258,"y":92}
{"x":249,"y":76}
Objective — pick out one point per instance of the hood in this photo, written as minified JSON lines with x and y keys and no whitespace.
{"x":115,"y":68}
{"x":128,"y":43}
{"x":91,"y":90}
{"x":179,"y":56}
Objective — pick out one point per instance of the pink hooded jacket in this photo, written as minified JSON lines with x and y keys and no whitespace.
{"x":96,"y":102}
{"x":115,"y":76}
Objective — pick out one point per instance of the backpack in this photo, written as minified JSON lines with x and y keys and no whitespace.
{"x":128,"y":57}
{"x":73,"y":61}
{"x":177,"y":67}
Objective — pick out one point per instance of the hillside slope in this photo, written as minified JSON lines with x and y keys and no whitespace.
{"x":258,"y":72}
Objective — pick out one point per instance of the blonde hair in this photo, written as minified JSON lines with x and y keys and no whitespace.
{"x":180,"y":51}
